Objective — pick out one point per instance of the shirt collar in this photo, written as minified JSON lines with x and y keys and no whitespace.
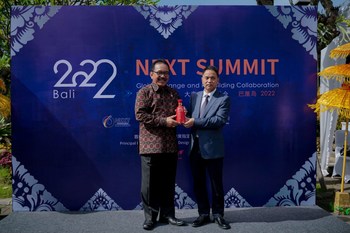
{"x":156,"y":88}
{"x":209,"y":94}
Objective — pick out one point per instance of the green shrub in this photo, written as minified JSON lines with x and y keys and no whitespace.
{"x":5,"y":175}
{"x":5,"y":182}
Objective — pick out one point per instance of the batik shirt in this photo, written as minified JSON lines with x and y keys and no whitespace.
{"x":153,"y":105}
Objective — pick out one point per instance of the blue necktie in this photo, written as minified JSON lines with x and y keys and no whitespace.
{"x":201,"y":113}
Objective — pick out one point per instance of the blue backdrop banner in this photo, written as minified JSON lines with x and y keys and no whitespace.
{"x":76,"y":72}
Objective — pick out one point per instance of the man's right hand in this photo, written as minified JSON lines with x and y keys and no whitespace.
{"x":189,"y":122}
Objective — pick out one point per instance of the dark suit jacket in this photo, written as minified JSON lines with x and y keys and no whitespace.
{"x":209,"y":128}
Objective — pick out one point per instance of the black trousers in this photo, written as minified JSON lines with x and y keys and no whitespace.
{"x":200,"y":168}
{"x":158,"y":185}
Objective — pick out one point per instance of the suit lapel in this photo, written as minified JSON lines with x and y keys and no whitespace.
{"x":211,"y":103}
{"x":198,"y":104}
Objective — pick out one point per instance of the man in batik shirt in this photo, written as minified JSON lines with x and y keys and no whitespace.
{"x":158,"y":147}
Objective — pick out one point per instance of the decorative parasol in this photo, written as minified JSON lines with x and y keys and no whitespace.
{"x":338,"y":99}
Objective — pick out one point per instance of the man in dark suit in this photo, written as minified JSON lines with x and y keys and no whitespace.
{"x":209,"y":112}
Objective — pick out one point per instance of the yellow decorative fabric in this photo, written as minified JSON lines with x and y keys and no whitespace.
{"x":339,"y":72}
{"x":341,"y":52}
{"x":335,"y":100}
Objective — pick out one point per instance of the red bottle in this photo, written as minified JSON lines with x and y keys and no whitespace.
{"x":180,"y":112}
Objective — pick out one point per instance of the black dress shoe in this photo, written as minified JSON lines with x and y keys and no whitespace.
{"x":201,"y":220}
{"x":222,"y":223}
{"x":148,"y":225}
{"x":174,"y":221}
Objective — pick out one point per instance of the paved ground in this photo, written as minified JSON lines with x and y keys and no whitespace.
{"x":297,"y":219}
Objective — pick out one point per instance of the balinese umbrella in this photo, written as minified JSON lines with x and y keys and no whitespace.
{"x":338,"y":100}
{"x":343,"y":51}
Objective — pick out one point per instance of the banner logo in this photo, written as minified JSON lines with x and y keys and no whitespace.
{"x":70,"y":81}
{"x":110,"y":121}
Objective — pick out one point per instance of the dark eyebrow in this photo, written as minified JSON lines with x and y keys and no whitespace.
{"x":206,"y":76}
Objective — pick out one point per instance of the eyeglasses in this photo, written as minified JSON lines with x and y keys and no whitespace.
{"x":162,"y":73}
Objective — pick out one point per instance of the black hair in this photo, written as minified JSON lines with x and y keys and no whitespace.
{"x":159,"y":61}
{"x":213,"y":68}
